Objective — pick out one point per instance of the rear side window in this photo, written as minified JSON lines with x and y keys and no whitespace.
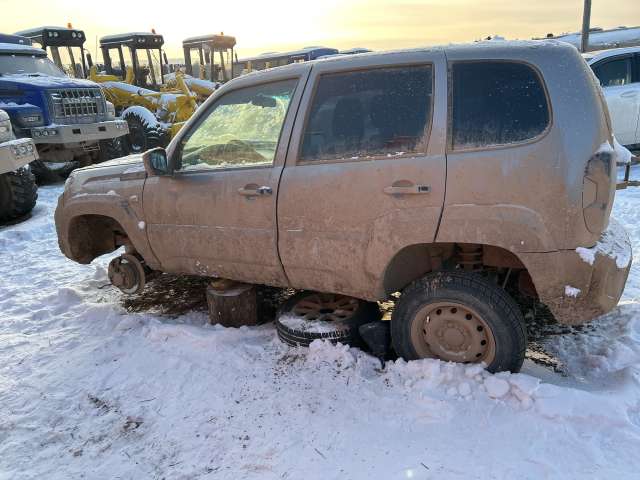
{"x":614,"y":72}
{"x":496,"y":103}
{"x":383,"y":111}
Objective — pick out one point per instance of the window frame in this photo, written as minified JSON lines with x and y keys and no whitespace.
{"x":450,"y":148}
{"x":623,"y":56}
{"x":314,"y":90}
{"x":205,"y":114}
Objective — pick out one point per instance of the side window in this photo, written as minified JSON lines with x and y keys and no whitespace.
{"x":496,"y":103}
{"x":242,"y":129}
{"x":383,"y":111}
{"x":614,"y":72}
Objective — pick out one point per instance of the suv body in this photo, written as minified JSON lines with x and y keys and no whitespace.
{"x":380,"y":168}
{"x":66,"y":117}
{"x":618,"y":71}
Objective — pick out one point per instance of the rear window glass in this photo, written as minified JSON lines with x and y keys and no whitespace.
{"x":496,"y":103}
{"x":383,"y":111}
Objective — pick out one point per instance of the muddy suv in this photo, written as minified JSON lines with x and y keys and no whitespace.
{"x":471,"y":179}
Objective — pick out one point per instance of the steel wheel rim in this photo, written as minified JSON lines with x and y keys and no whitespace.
{"x":453,"y":332}
{"x":326,"y":306}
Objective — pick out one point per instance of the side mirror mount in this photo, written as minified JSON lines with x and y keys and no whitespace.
{"x":155,"y":162}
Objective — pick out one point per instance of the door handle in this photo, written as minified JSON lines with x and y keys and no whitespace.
{"x":255,"y":191}
{"x":630,"y":94}
{"x":407,"y":190}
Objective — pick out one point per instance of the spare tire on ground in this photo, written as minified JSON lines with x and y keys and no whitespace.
{"x":18,"y":194}
{"x":309,"y":316}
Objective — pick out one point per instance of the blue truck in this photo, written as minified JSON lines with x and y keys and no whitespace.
{"x":69,"y":120}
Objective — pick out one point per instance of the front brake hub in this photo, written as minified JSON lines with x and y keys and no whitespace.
{"x":126,"y":273}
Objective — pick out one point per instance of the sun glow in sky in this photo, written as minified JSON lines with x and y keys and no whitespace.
{"x":279,"y":25}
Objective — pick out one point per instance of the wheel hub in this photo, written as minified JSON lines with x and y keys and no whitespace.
{"x":127,"y":273}
{"x":453,"y":332}
{"x":326,"y":306}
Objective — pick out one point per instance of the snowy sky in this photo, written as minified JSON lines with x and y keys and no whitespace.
{"x":272,"y":25}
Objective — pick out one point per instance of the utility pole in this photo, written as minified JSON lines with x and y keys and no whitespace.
{"x":586,"y":21}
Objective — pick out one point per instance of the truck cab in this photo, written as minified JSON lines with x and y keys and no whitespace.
{"x":69,"y":119}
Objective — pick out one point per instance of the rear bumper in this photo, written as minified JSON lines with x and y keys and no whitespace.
{"x":16,"y":153}
{"x":88,"y":132}
{"x":579,"y":285}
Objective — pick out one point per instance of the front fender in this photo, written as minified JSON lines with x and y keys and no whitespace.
{"x":125,"y":207}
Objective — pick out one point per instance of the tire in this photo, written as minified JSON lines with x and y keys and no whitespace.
{"x":18,"y":194}
{"x":353,"y":313}
{"x":145,"y":132}
{"x":46,"y":173}
{"x":462,"y":317}
{"x":113,"y":148}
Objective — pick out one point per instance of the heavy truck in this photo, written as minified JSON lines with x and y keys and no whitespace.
{"x":18,"y":189}
{"x":69,"y":119}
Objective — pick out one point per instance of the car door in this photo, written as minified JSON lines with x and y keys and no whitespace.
{"x":622,"y":93}
{"x":216,"y":215}
{"x":365,"y":172}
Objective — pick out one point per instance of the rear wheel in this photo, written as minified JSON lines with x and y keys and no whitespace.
{"x":18,"y":194}
{"x":112,"y":148}
{"x":145,"y":132}
{"x":459,"y":317}
{"x":52,"y":172}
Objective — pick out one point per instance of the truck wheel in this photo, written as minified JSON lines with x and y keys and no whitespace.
{"x":309,"y":316}
{"x":112,"y":148}
{"x":52,"y":172}
{"x":18,"y":194}
{"x":459,"y":317}
{"x":145,"y":132}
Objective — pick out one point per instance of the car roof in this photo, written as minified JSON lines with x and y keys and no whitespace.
{"x":516,"y":50}
{"x":597,"y":55}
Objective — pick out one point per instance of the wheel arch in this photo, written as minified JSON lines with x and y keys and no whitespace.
{"x":415,"y":261}
{"x":92,"y":235}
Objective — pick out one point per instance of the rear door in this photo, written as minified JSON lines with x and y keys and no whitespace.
{"x":365,"y":171}
{"x":621,"y":89}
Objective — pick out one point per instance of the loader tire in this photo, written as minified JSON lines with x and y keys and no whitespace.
{"x":18,"y":194}
{"x":144,"y":134}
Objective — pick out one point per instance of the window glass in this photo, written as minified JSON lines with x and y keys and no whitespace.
{"x":382,"y":111}
{"x":614,"y":73}
{"x":242,"y":129}
{"x":496,"y":103}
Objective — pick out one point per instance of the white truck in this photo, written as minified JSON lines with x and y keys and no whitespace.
{"x":18,"y":190}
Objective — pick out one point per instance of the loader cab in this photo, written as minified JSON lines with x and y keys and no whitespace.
{"x":210,"y":57}
{"x":65,"y":46}
{"x":139,"y":50}
{"x":278,"y":59}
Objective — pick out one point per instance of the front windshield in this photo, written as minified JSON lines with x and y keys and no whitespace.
{"x":12,"y":64}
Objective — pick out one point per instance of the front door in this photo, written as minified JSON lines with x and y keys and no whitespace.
{"x":622,"y":93}
{"x":216,"y":216}
{"x":365,"y":172}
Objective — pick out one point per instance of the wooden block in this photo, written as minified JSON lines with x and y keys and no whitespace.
{"x":232,"y":304}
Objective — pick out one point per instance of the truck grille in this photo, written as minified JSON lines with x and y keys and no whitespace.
{"x":77,"y":105}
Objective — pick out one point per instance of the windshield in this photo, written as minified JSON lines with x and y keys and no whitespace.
{"x":12,"y":64}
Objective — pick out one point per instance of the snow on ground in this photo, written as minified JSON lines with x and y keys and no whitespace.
{"x":88,"y":390}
